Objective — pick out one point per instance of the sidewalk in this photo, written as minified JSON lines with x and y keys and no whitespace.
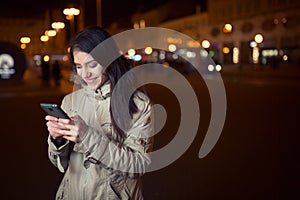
{"x":32,"y":82}
{"x":31,"y":85}
{"x":285,"y":71}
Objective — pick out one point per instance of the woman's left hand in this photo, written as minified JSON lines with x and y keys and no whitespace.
{"x":74,"y":129}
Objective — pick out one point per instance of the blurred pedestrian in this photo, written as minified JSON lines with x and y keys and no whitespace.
{"x":275,"y":61}
{"x":45,"y":73}
{"x":56,"y":72}
{"x":100,"y":159}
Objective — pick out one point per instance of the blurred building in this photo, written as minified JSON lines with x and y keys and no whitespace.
{"x":14,"y":28}
{"x":231,"y":25}
{"x":228,"y":25}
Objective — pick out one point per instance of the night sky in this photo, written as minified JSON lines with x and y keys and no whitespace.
{"x":112,"y":10}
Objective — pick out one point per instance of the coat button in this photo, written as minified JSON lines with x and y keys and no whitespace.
{"x":93,"y":160}
{"x":86,"y":164}
{"x":53,"y":155}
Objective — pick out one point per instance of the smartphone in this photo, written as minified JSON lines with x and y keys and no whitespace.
{"x":54,"y":110}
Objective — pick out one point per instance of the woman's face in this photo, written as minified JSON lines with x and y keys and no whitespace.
{"x":89,"y":69}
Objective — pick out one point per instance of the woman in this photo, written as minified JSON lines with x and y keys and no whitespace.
{"x":100,"y":159}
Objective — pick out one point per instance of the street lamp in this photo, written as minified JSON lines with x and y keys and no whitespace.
{"x":258,"y":38}
{"x":58,"y":25}
{"x":24,"y":41}
{"x":205,"y":44}
{"x":44,"y":38}
{"x":70,"y":13}
{"x":50,"y":33}
{"x":227,"y":28}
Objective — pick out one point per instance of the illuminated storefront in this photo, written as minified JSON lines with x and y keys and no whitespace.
{"x":12,"y":62}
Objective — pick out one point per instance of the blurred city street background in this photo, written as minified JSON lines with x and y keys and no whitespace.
{"x":256,"y":157}
{"x":255,"y":47}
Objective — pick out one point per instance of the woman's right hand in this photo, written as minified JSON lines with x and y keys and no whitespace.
{"x":53,"y":126}
{"x":73,"y":129}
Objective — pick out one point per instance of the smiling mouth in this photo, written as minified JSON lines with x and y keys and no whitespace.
{"x":89,"y":81}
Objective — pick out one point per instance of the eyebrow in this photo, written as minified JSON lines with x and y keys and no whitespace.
{"x":86,"y":62}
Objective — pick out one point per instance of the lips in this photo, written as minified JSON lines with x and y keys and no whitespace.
{"x":90,"y":81}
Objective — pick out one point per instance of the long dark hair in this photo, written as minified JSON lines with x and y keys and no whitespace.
{"x":86,"y":41}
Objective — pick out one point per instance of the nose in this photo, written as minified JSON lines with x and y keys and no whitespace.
{"x":86,"y":73}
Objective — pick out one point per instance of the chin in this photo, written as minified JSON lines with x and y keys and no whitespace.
{"x":92,"y":87}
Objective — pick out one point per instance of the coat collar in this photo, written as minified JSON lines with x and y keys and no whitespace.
{"x":101,"y":93}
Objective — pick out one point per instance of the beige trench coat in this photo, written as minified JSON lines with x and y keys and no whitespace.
{"x":99,"y":167}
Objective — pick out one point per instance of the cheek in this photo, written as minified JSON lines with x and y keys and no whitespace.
{"x":98,"y":71}
{"x":78,"y":72}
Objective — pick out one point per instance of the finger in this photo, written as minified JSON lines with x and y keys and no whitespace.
{"x":66,"y":127}
{"x":70,"y":138}
{"x":76,"y":118}
{"x":55,"y":130}
{"x":65,"y":121}
{"x":54,"y":124}
{"x":55,"y":135}
{"x":51,"y":118}
{"x":66,"y":133}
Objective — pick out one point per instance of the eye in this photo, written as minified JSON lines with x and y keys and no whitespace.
{"x":92,"y":64}
{"x":78,"y":66}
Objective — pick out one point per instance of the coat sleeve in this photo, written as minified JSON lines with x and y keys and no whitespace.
{"x":132,"y":156}
{"x":59,"y":156}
